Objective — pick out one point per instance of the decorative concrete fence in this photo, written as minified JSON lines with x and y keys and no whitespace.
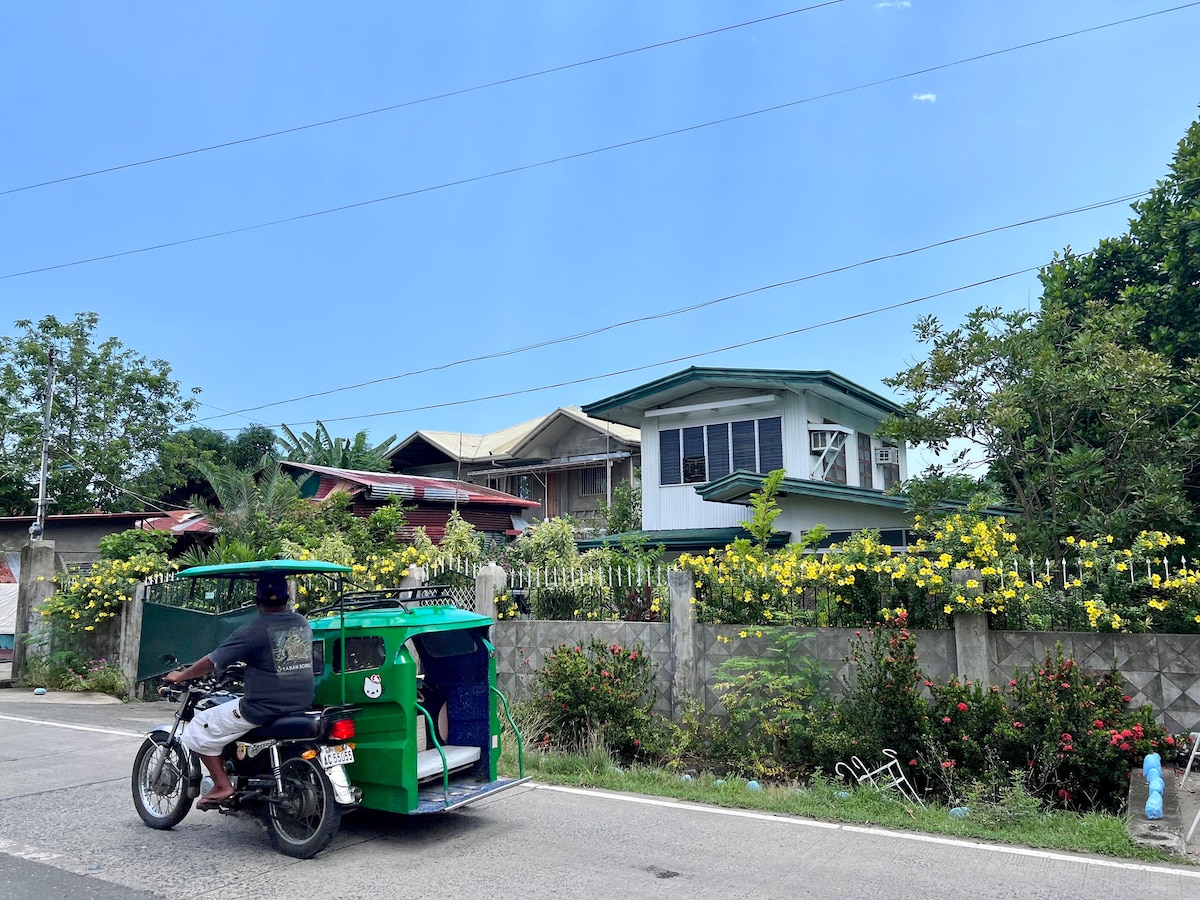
{"x":1162,"y":670}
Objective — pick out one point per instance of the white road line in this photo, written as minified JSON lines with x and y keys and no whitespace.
{"x":136,"y":734}
{"x":785,"y":819}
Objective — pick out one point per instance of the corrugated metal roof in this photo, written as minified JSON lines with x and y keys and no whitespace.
{"x":380,"y":485}
{"x":507,"y":442}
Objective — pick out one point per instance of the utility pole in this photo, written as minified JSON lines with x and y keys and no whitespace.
{"x":39,"y":524}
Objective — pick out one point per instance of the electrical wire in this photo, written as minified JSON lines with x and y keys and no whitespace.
{"x":678,"y":359}
{"x":442,"y":96}
{"x":666,"y":314}
{"x":585,"y":153}
{"x":152,"y":504}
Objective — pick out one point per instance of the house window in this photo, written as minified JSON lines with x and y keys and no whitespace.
{"x":703,"y":453}
{"x":866,"y":465}
{"x":593,"y":481}
{"x":523,"y":486}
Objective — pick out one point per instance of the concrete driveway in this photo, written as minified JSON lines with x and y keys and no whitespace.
{"x":67,"y":822}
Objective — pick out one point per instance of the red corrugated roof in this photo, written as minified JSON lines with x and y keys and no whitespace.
{"x":411,"y":487}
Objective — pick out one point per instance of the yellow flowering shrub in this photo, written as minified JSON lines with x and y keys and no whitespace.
{"x":84,"y":600}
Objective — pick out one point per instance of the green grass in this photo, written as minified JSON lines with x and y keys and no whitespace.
{"x":1084,"y":833}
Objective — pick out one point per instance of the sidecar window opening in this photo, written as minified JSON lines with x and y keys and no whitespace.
{"x":362,"y":653}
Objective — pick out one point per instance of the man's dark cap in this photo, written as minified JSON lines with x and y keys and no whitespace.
{"x":272,"y":590}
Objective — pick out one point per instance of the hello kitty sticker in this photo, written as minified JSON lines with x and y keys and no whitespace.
{"x":373,"y":686}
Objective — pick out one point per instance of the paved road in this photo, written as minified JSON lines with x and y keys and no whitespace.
{"x":67,"y":824}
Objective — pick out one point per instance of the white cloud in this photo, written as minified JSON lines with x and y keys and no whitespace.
{"x":893,"y":4}
{"x":925,"y":98}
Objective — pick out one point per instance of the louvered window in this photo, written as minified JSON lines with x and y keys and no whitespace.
{"x":700,"y":454}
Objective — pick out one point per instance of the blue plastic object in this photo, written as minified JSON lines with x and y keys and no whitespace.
{"x":1154,"y":805}
{"x":39,"y":691}
{"x":685,"y":777}
{"x":1153,"y":761}
{"x":960,"y":812}
{"x":842,"y":795}
{"x":1157,"y":784}
{"x":753,"y":786}
{"x":1154,"y":772}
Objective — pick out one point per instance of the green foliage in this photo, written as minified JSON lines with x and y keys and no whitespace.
{"x":764,"y":507}
{"x":65,"y":671}
{"x":769,"y":701}
{"x":84,"y":601}
{"x":1085,"y":411}
{"x":321,"y":449}
{"x":134,"y":542}
{"x":603,"y":690}
{"x":222,"y":551}
{"x":174,"y":478}
{"x":113,"y":408}
{"x":625,"y":512}
{"x":250,"y":505}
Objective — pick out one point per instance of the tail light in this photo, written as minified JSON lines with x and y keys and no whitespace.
{"x":341,"y":730}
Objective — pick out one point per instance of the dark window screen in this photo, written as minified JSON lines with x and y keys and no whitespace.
{"x":718,"y":451}
{"x":668,"y":457}
{"x":866,"y":465}
{"x":770,"y":444}
{"x":694,"y":470}
{"x":744,"y":456}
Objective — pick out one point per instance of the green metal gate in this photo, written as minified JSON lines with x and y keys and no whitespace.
{"x":183,"y":620}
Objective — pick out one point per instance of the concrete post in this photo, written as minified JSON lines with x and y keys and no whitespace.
{"x":415,"y":577}
{"x":491,"y":581}
{"x":972,"y":645}
{"x":684,"y":685}
{"x":36,"y":584}
{"x":130,"y":647}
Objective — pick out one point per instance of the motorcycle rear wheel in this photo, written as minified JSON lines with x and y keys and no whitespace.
{"x":305,"y":818}
{"x":161,"y":803}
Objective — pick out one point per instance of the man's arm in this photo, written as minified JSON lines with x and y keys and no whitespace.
{"x":198,"y":669}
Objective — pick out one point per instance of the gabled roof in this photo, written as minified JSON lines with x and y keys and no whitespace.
{"x":507,"y":442}
{"x":628,"y":407}
{"x":379,"y":485}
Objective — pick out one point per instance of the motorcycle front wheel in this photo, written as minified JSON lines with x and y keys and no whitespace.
{"x":161,"y":798}
{"x":304,"y":819}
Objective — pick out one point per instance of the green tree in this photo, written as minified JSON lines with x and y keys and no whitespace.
{"x":250,"y":506}
{"x":625,"y":511}
{"x":320,"y":449}
{"x":113,"y":408}
{"x":1081,"y":427}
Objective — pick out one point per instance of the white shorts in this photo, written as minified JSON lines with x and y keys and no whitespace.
{"x":211,"y":729}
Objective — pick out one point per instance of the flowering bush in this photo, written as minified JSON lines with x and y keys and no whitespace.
{"x":85,"y":600}
{"x":599,"y":690}
{"x":65,"y":671}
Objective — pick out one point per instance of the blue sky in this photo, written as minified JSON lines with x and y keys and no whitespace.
{"x":504,"y":262}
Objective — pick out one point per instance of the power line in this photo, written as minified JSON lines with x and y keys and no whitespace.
{"x":152,"y":504}
{"x":586,"y":153}
{"x":682,"y":309}
{"x":442,"y":96}
{"x":679,"y":359}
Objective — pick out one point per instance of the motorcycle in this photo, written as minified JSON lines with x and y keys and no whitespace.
{"x":291,"y":772}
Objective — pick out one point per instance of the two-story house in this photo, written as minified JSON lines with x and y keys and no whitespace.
{"x":566,"y":461}
{"x":710,"y":434}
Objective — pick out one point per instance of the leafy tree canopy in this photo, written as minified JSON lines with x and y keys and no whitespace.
{"x":1085,"y":411}
{"x":113,"y":408}
{"x":175,"y":479}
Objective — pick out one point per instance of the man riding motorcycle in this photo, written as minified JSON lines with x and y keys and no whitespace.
{"x":277,"y":650}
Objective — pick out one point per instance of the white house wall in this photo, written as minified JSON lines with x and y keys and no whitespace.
{"x":800,"y":514}
{"x":678,"y":505}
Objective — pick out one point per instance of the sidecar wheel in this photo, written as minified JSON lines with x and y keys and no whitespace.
{"x":305,"y":818}
{"x":162,"y":802}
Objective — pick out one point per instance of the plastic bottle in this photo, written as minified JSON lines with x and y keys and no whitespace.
{"x":1154,"y":805}
{"x":1153,"y":761}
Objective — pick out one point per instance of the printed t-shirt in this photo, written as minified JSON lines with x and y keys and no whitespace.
{"x":277,"y":651}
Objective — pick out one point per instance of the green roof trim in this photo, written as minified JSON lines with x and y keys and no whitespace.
{"x":683,"y":538}
{"x":795,"y":379}
{"x":263,"y":566}
{"x":738,"y":486}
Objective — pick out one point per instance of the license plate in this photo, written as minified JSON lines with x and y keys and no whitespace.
{"x":338,"y":755}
